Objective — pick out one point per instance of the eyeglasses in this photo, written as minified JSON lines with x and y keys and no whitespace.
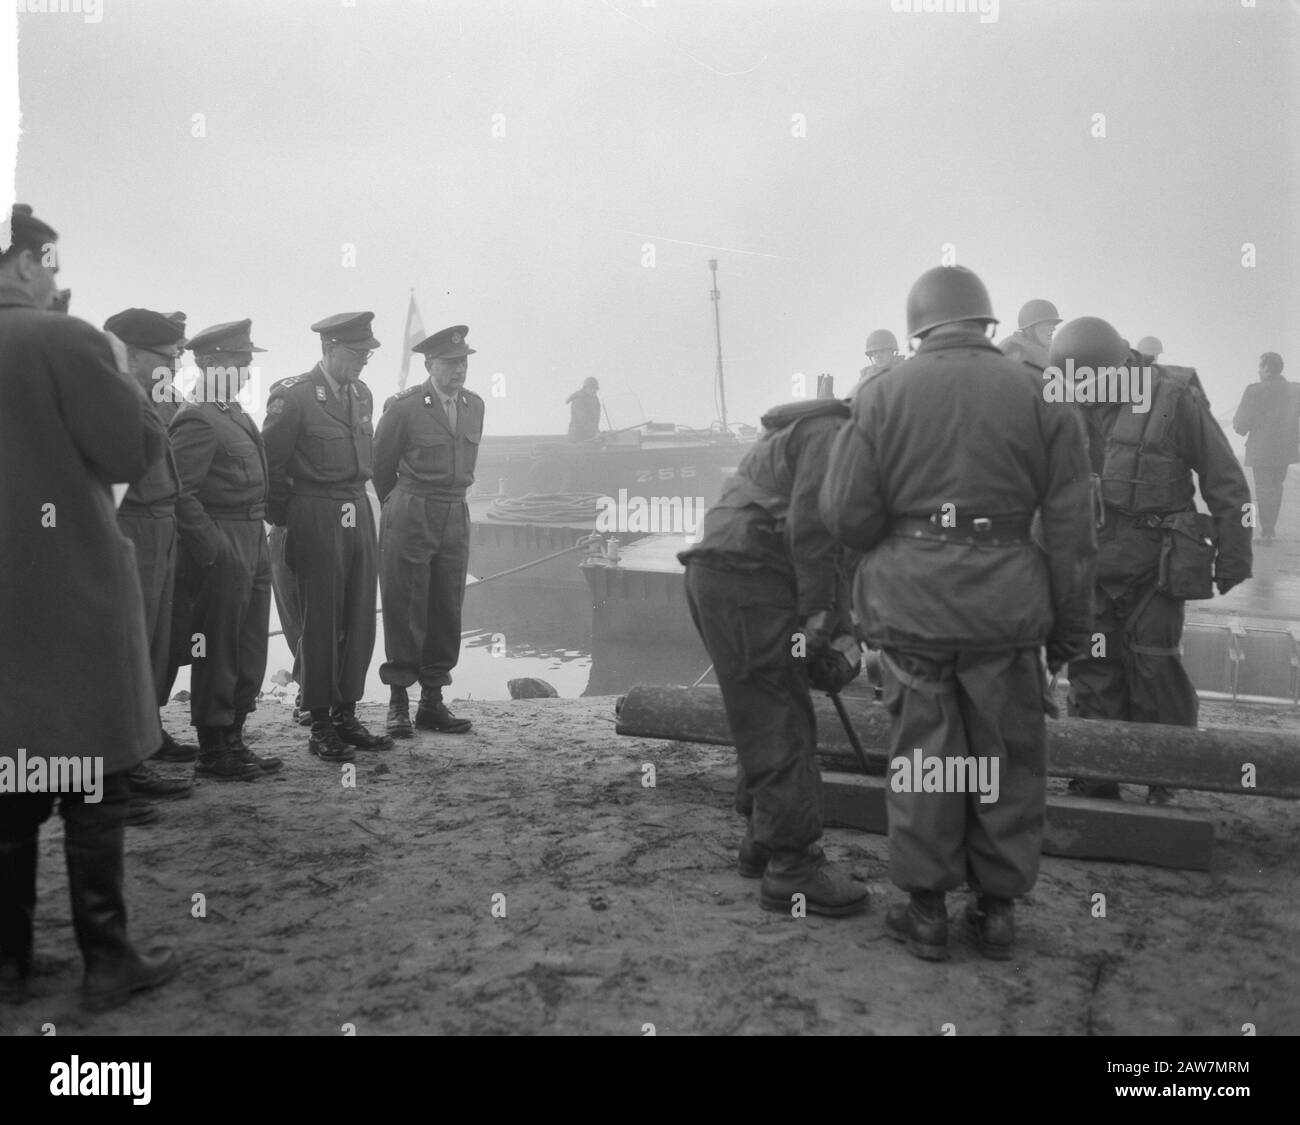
{"x":355,"y":351}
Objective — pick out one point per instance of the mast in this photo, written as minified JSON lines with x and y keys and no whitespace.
{"x":717,"y":328}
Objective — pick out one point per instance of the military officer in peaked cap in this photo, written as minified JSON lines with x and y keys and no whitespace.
{"x":147,"y":516}
{"x":319,"y":437}
{"x":426,"y":447}
{"x":224,"y":563}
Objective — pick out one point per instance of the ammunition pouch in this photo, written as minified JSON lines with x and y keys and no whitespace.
{"x":1187,"y":553}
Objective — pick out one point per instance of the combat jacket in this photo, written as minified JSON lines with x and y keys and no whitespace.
{"x":1270,"y":414}
{"x":1145,"y":462}
{"x":416,"y":448}
{"x":960,"y":430}
{"x":1019,"y":345}
{"x":767,"y":516}
{"x":317,"y":443}
{"x":223,"y":473}
{"x":154,"y":494}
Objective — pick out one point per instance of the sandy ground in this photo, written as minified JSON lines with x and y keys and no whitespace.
{"x":374,"y":906}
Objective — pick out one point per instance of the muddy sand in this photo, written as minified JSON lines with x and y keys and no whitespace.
{"x":522,"y":880}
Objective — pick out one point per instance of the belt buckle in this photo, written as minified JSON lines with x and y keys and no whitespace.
{"x":982,"y":524}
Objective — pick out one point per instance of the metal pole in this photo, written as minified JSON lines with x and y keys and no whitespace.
{"x":717,"y":327}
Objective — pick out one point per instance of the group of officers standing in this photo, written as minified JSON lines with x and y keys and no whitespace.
{"x":85,"y":614}
{"x":957,"y":518}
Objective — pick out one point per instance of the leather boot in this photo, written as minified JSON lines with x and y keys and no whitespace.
{"x":17,"y":909}
{"x":145,"y":781}
{"x":432,"y":714}
{"x":93,"y":846}
{"x":240,"y":751}
{"x":352,"y":732}
{"x":325,"y":742}
{"x":301,"y":717}
{"x":827,"y":888}
{"x":399,"y":714}
{"x":751,"y":861}
{"x":921,"y":923}
{"x":991,"y":926}
{"x":217,"y":759}
{"x":173,"y":751}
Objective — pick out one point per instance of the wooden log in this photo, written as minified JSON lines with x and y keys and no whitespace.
{"x":1075,"y":827}
{"x":1215,"y":759}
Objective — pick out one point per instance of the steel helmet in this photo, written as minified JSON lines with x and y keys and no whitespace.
{"x":944,"y":295}
{"x":881,"y":339}
{"x":1149,"y":345}
{"x":1090,"y":342}
{"x":1038,"y":311}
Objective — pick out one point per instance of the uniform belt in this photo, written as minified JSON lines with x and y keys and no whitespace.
{"x":253,"y":512}
{"x":431,"y":491}
{"x":158,"y":510}
{"x":329,"y":491}
{"x":992,"y":530}
{"x":1146,"y":519}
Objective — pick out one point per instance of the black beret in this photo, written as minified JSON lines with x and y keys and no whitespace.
{"x":144,"y":328}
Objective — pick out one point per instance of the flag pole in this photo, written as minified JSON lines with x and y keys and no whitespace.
{"x":406,"y":335}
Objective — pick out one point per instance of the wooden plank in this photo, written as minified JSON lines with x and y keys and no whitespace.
{"x":1093,"y":749}
{"x":1075,"y":828}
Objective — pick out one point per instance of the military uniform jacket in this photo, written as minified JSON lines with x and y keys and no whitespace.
{"x":1019,"y":345}
{"x":155,"y":493}
{"x":223,"y":473}
{"x":960,"y":424}
{"x":767,"y":516}
{"x":416,"y":448}
{"x":71,"y":610}
{"x":316,"y":441}
{"x":1270,"y":414}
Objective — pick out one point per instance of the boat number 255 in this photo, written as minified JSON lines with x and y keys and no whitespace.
{"x":645,"y":476}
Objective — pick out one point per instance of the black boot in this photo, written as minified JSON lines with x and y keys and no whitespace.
{"x":826,"y":887}
{"x":399,"y":714}
{"x":991,"y":926}
{"x":432,"y":714}
{"x":240,"y":751}
{"x":217,"y":760}
{"x":325,"y":742}
{"x":93,"y":837}
{"x":173,"y":751}
{"x":922,"y":924}
{"x":17,"y":909}
{"x":351,"y":730}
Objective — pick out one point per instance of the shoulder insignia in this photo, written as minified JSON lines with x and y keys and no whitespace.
{"x":275,"y":406}
{"x":285,"y":384}
{"x":320,"y":394}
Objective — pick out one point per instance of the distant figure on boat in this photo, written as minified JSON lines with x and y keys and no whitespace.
{"x":584,"y":412}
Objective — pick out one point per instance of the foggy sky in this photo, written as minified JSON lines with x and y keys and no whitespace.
{"x":671,"y":123}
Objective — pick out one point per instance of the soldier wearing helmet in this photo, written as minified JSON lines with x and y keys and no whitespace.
{"x":936,"y":478}
{"x":1149,"y":348}
{"x":882,"y":350}
{"x":1037,"y":321}
{"x":1144,"y":456}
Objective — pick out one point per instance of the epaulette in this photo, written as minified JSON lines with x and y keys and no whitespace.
{"x":285,"y":384}
{"x":407,"y":393}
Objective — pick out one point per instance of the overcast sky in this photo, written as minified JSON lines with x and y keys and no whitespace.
{"x":511,"y":162}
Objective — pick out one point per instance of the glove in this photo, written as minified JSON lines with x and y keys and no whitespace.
{"x":836,"y":665}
